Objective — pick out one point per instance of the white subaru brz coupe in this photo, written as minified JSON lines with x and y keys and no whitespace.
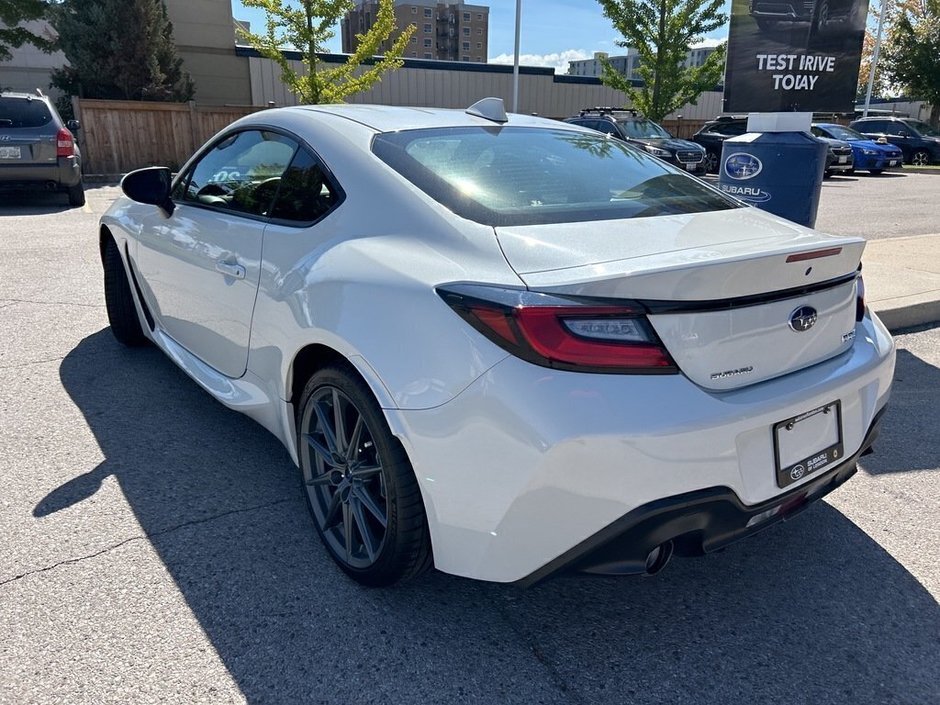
{"x":501,"y":345}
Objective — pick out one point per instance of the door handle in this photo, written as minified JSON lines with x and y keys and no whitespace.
{"x":230,"y":269}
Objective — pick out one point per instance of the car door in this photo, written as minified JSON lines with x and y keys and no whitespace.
{"x":201,"y":266}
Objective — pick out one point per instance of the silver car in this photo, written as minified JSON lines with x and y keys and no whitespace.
{"x":37,"y":149}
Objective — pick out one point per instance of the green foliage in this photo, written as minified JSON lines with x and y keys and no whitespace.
{"x":911,"y":53}
{"x":307,"y":26}
{"x":661,"y":31}
{"x":119,"y":49}
{"x":12,"y":14}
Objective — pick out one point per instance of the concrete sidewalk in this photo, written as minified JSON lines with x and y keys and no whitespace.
{"x":902,"y":280}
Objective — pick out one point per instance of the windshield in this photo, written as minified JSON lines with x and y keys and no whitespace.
{"x":527,"y":176}
{"x":841,"y":132}
{"x":643,"y":129}
{"x":923,"y":128}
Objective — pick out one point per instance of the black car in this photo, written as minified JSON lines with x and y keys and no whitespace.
{"x":918,"y":141}
{"x":824,"y":16}
{"x":646,"y":134}
{"x":37,"y":149}
{"x":714,"y":132}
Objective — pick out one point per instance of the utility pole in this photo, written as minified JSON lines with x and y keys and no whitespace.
{"x":874,"y":58}
{"x":515,"y":63}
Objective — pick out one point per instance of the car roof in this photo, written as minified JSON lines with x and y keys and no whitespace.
{"x":391,"y":118}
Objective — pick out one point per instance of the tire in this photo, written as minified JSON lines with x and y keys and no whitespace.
{"x":122,"y":313}
{"x":360,"y":488}
{"x":920,"y":158}
{"x":765,"y":25}
{"x":712,"y":162}
{"x":77,"y":195}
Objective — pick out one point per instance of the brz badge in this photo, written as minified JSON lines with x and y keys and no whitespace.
{"x":802,"y":319}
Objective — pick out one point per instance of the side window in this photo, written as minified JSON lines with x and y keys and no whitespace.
{"x":241,"y":173}
{"x":731,"y":129}
{"x":897,"y":128}
{"x":305,"y":194}
{"x":872,"y":127}
{"x":818,"y":132}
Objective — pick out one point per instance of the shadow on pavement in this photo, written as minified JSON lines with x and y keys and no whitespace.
{"x":813,"y":611}
{"x":909,"y":438}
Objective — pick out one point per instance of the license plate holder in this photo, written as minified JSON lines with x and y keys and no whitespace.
{"x":820,"y":430}
{"x":10,"y":152}
{"x":893,"y":162}
{"x":690,"y":166}
{"x":843,"y":160}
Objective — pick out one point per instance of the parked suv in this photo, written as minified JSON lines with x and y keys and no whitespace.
{"x":645,"y":134}
{"x":824,"y":16}
{"x":918,"y":141}
{"x":37,"y":149}
{"x":714,"y":132}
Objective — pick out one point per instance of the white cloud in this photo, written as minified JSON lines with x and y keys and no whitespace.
{"x":558,"y":61}
{"x":708,"y":43}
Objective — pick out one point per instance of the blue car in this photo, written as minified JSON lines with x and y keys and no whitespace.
{"x":873,"y":157}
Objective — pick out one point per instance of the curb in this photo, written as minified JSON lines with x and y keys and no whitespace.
{"x":900,"y":318}
{"x":919,"y":170}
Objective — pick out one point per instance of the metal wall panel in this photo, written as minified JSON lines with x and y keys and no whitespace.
{"x":539,"y":93}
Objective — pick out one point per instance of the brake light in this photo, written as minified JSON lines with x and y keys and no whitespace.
{"x":860,"y":298}
{"x":561,"y":332}
{"x":64,"y":144}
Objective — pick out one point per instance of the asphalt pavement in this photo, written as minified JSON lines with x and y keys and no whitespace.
{"x":156,"y":548}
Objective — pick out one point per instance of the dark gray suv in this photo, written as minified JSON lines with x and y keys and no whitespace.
{"x":37,"y":149}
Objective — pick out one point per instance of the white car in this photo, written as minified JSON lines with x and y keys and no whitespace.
{"x":502,"y":345}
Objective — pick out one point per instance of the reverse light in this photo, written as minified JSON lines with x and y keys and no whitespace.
{"x":562,"y":332}
{"x":64,"y":144}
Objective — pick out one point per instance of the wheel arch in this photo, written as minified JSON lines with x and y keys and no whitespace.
{"x":315,"y":356}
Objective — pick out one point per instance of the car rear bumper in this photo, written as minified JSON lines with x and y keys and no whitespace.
{"x":694,"y":523}
{"x":528,"y":463}
{"x":66,"y":172}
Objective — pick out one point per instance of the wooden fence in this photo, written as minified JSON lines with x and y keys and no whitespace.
{"x":118,"y":136}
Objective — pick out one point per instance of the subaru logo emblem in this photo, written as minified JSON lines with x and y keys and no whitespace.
{"x":742,"y":165}
{"x":802,"y":319}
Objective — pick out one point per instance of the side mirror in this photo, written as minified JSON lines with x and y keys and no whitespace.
{"x":151,"y":186}
{"x":73,"y":125}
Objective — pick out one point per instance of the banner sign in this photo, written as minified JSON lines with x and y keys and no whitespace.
{"x":794,"y":55}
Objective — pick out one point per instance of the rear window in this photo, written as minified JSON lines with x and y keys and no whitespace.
{"x":527,"y":176}
{"x":19,"y":112}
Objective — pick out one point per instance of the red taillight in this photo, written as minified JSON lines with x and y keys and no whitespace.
{"x":564,"y":333}
{"x":64,"y":144}
{"x":860,"y":299}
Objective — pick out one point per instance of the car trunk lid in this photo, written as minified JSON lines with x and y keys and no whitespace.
{"x":736,"y":297}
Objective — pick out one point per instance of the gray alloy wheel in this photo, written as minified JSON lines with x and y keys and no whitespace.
{"x":360,"y":487}
{"x":711,"y":162}
{"x":920,"y":158}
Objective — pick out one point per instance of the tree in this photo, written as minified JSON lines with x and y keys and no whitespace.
{"x":308,"y":28}
{"x":879,"y":88}
{"x":119,"y":49}
{"x":661,"y":31}
{"x":12,"y":14}
{"x":911,"y":54}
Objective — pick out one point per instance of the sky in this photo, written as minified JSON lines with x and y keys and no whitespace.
{"x":554,"y":32}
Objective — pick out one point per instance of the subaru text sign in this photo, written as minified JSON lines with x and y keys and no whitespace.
{"x":794,"y":55}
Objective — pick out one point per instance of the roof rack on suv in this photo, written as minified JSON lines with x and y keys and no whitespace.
{"x":606,"y":111}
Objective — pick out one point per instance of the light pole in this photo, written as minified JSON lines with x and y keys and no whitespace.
{"x":874,"y":59}
{"x":515,"y":63}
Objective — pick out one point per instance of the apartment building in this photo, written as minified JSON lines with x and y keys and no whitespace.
{"x":628,"y":64}
{"x":446,"y":31}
